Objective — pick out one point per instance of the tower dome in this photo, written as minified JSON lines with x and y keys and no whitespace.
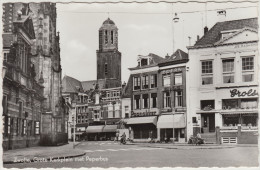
{"x":108,"y":21}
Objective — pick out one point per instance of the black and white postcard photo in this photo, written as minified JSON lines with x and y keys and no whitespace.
{"x":129,"y":84}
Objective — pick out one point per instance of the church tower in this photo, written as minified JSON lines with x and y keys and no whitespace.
{"x":108,"y":56}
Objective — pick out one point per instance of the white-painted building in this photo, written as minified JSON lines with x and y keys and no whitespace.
{"x":222,"y":81}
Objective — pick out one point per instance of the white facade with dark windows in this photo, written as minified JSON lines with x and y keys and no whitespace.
{"x":223,"y":86}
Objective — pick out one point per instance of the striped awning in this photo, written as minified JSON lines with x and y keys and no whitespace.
{"x":110,"y":128}
{"x":95,"y":129}
{"x":142,"y":120}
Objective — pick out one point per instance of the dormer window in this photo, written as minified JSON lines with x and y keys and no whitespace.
{"x":144,"y":62}
{"x":225,"y":34}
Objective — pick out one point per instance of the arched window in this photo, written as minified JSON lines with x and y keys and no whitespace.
{"x":106,"y":37}
{"x":112,"y":37}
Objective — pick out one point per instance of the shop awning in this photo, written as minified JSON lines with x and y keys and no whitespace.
{"x":171,"y":121}
{"x":233,"y":112}
{"x":142,"y":120}
{"x":95,"y":129}
{"x":110,"y":128}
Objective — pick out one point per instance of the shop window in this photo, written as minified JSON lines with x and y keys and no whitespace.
{"x":137,"y":83}
{"x":178,"y":79}
{"x":207,"y":72}
{"x":167,"y":99}
{"x":154,"y":100}
{"x":145,"y":82}
{"x":207,"y":104}
{"x":228,"y":70}
{"x":194,"y":119}
{"x":229,"y":104}
{"x":167,"y":80}
{"x":126,"y":115}
{"x":230,"y":120}
{"x":153,"y":80}
{"x":145,"y":101}
{"x":249,"y":103}
{"x":248,"y":69}
{"x":178,"y":99}
{"x":249,"y":120}
{"x":137,"y":101}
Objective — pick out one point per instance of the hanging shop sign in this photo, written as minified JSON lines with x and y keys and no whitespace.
{"x":143,"y":114}
{"x":173,"y":70}
{"x":237,"y":93}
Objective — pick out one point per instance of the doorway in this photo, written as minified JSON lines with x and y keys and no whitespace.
{"x":208,"y":122}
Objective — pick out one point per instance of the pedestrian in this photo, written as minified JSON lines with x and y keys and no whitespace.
{"x":117,"y":135}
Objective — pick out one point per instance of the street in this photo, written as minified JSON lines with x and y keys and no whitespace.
{"x":106,"y":154}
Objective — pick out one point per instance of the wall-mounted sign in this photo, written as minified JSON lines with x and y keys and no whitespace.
{"x":237,"y":93}
{"x":143,"y":114}
{"x":173,"y":70}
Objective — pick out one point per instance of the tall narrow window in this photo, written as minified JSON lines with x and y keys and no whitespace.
{"x":228,"y":70}
{"x":153,"y":80}
{"x":112,"y":37}
{"x":154,"y":100}
{"x":37,"y":128}
{"x":5,"y":56}
{"x":137,"y":101}
{"x":145,"y":83}
{"x":137,"y":83}
{"x":248,"y":69}
{"x":178,"y":79}
{"x":207,"y":72}
{"x":24,"y":126}
{"x":145,"y":101}
{"x":106,"y":37}
{"x":178,"y":99}
{"x":166,"y":99}
{"x":106,"y":71}
{"x":167,"y":80}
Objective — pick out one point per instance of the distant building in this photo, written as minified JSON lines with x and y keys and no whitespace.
{"x":223,"y":83}
{"x":22,"y":94}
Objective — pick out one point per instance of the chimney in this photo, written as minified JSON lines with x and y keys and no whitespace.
{"x":167,"y":56}
{"x":198,"y":37}
{"x":221,"y":15}
{"x":205,"y":30}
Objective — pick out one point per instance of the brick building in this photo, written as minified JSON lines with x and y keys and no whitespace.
{"x":22,"y":94}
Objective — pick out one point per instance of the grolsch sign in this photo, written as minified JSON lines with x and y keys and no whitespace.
{"x":238,"y":93}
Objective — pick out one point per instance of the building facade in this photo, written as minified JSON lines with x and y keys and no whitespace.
{"x":22,"y":94}
{"x":223,"y":87}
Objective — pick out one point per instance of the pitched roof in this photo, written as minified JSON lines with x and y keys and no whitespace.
{"x":71,"y":85}
{"x":213,"y":35}
{"x":126,"y":91}
{"x":7,"y":40}
{"x":178,"y":55}
{"x":87,"y":85}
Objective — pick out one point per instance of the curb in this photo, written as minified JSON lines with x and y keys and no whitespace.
{"x":54,"y":158}
{"x":190,"y":148}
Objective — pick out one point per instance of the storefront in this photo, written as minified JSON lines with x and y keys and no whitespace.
{"x":143,"y":127}
{"x":167,"y":123}
{"x":94,"y":133}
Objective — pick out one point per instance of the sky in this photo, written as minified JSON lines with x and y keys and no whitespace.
{"x":143,"y":29}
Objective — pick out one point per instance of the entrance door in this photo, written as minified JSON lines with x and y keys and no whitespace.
{"x":208,"y":122}
{"x":212,"y":123}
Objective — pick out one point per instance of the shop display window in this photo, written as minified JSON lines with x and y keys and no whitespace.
{"x":229,"y":104}
{"x":230,"y":120}
{"x":207,"y":104}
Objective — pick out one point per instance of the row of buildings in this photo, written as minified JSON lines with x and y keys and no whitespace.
{"x":212,"y":90}
{"x":34,"y":112}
